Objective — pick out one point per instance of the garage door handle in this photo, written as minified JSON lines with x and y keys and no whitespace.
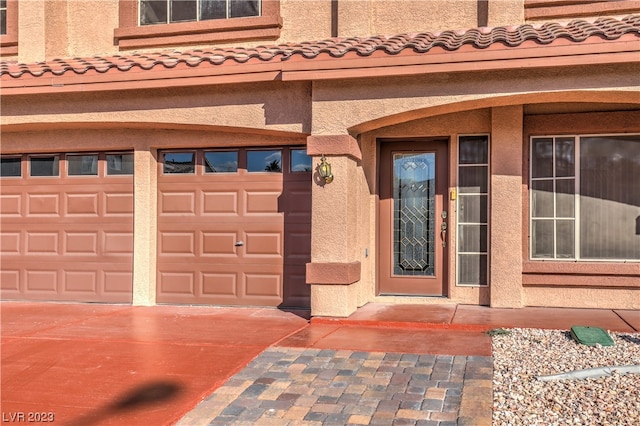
{"x":239,"y":244}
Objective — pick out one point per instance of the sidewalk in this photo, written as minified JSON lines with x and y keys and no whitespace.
{"x":95,"y":364}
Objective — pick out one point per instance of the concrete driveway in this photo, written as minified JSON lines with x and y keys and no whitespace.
{"x":87,"y":364}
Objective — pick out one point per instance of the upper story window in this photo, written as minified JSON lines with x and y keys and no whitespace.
{"x":8,"y":27}
{"x":3,"y":17}
{"x":169,"y":11}
{"x":563,"y":9}
{"x":156,"y":23}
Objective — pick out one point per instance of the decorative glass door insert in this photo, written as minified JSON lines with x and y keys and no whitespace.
{"x":413,"y":213}
{"x":412,"y":243}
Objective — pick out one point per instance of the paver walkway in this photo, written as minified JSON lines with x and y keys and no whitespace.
{"x":295,"y":386}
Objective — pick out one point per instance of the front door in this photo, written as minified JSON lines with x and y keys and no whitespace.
{"x":413,"y":217}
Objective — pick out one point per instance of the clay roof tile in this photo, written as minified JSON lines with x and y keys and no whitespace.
{"x":479,"y":38}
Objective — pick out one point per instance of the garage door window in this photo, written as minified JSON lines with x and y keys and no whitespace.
{"x":300,"y":161}
{"x":264,"y":161}
{"x":119,"y":164}
{"x":179,"y":162}
{"x":44,"y":166}
{"x":10,"y":167}
{"x":221,"y":162}
{"x":82,"y":165}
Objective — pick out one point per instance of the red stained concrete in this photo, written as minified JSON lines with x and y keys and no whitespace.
{"x":631,"y":317}
{"x":401,"y":340}
{"x":482,"y":318}
{"x":548,"y":318}
{"x":405,"y":314}
{"x":103,"y":364}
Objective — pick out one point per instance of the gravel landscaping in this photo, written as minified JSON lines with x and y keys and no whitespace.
{"x":520,"y":398}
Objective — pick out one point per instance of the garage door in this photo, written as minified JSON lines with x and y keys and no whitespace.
{"x":67,"y":227}
{"x":234,"y":226}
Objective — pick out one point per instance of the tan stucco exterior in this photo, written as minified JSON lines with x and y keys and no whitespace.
{"x":341,"y":116}
{"x":75,"y":28}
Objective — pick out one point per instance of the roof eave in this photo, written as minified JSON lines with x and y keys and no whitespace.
{"x":529,"y":55}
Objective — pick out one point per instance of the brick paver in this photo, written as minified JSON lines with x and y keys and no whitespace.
{"x":291,"y":386}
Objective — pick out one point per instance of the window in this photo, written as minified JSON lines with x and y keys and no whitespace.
{"x":45,"y":166}
{"x":221,"y":162}
{"x":169,"y":11}
{"x":473,"y":189}
{"x":557,"y":9}
{"x":8,"y":27}
{"x":264,"y":161}
{"x":82,"y":165}
{"x":119,"y":164}
{"x":179,"y":162}
{"x":10,"y":167}
{"x":3,"y":17}
{"x":300,"y":161}
{"x":151,"y":23}
{"x":585,"y":197}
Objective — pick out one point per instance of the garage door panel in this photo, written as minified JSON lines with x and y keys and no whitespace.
{"x":263,"y":244}
{"x":181,"y":244}
{"x":261,"y":202}
{"x":80,"y":243}
{"x":42,"y":243}
{"x":297,"y":244}
{"x":79,"y":205}
{"x":177,"y":282}
{"x":262,"y":285}
{"x":9,"y":281}
{"x":178,"y":203}
{"x":297,"y":204}
{"x":117,"y":204}
{"x":47,"y":205}
{"x":42,"y":280}
{"x":117,"y":244}
{"x":80,"y":281}
{"x":221,"y":285}
{"x":9,"y":243}
{"x":10,"y":205}
{"x":220,"y":203}
{"x":118,"y":285}
{"x":219,"y":244}
{"x":298,"y":291}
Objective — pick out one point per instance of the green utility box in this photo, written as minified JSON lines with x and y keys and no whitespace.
{"x":590,"y":336}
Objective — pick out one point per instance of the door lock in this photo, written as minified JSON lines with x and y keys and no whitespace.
{"x":239,"y":244}
{"x":443,"y":228}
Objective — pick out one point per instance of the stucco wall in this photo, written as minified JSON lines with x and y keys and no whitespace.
{"x":352,"y":105}
{"x":582,"y":297}
{"x":363,"y":18}
{"x":31,"y":31}
{"x":275,"y":106}
{"x":74,"y":28}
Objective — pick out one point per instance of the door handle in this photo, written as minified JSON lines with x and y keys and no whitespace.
{"x":239,"y":243}
{"x":443,"y":232}
{"x":443,"y":228}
